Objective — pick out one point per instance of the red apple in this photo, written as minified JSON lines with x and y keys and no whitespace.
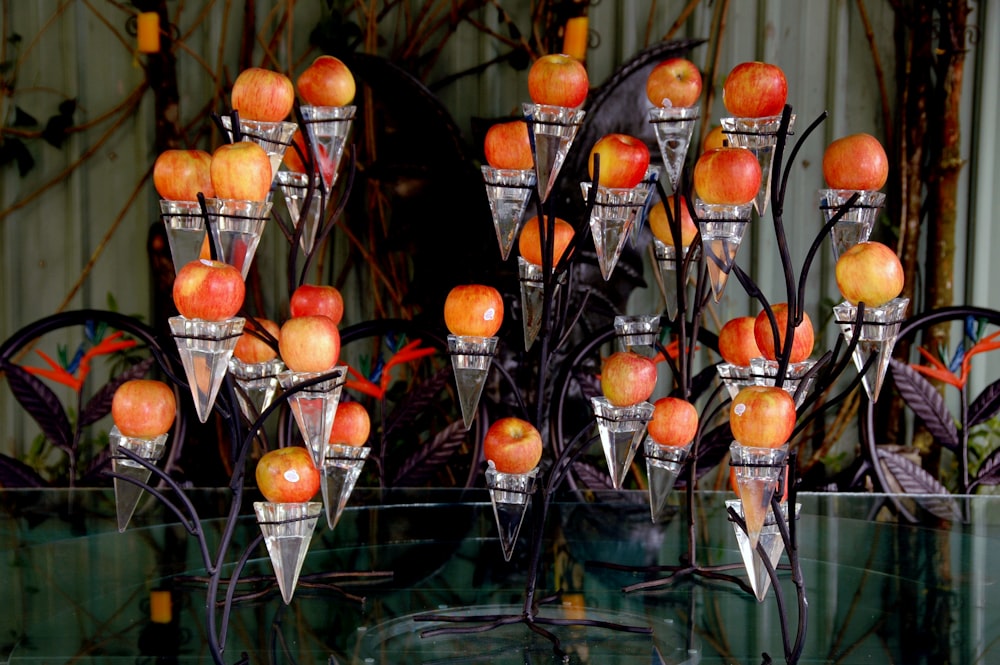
{"x":326,"y":82}
{"x":674,"y":422}
{"x":674,"y":79}
{"x":287,"y":475}
{"x":473,"y":310}
{"x":309,"y":344}
{"x":558,"y":80}
{"x":241,"y":171}
{"x":208,"y":290}
{"x":715,"y":138}
{"x":737,"y":342}
{"x":802,"y":345}
{"x":513,"y":445}
{"x":251,"y":348}
{"x":869,"y":272}
{"x":727,"y":175}
{"x":312,"y":299}
{"x":529,"y":244}
{"x":507,"y":146}
{"x":262,"y":94}
{"x":857,"y":161}
{"x":178,"y":175}
{"x":660,"y":226}
{"x":627,"y":378}
{"x":624,"y":160}
{"x":143,"y":408}
{"x":351,"y":425}
{"x":762,"y":416}
{"x":755,"y":90}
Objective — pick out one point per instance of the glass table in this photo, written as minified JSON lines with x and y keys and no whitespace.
{"x":74,"y":590}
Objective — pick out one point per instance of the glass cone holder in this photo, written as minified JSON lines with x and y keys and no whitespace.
{"x":857,"y":222}
{"x":205,"y":348}
{"x":257,"y":385}
{"x":674,"y":127}
{"x":611,"y":220}
{"x":759,"y":135}
{"x":551,"y":130}
{"x":757,"y":473}
{"x":315,"y":407}
{"x":185,"y":226}
{"x":770,"y":540}
{"x":663,"y":465}
{"x":666,"y":259}
{"x":470,"y":361}
{"x":287,"y":530}
{"x":274,"y":137}
{"x":236,"y":227}
{"x":127,"y":494}
{"x":510,"y":494}
{"x":877,"y":337}
{"x":328,"y":127}
{"x":765,"y":373}
{"x":294,"y":187}
{"x":645,"y":189}
{"x":736,"y":377}
{"x":722,"y":229}
{"x":642,"y":331}
{"x":622,"y":429}
{"x":508,"y":191}
{"x":342,"y":465}
{"x":533,"y":298}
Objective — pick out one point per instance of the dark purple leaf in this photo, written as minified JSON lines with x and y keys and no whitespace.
{"x":431,"y":456}
{"x":592,"y":477}
{"x":924,"y":488}
{"x":713,"y":448}
{"x":421,"y":397}
{"x":41,"y":404}
{"x":590,"y":384}
{"x":927,"y":403}
{"x":986,"y":405}
{"x":100,"y":404}
{"x":989,"y":471}
{"x":17,"y":474}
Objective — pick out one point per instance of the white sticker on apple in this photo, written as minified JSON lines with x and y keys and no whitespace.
{"x":291,"y":476}
{"x":739,"y":409}
{"x":489,"y":314}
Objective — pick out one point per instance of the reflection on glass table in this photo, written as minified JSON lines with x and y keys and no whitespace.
{"x":75,"y":590}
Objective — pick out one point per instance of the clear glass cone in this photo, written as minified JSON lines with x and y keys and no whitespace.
{"x":637,"y":331}
{"x":551,"y":130}
{"x":328,"y":127}
{"x":294,"y":187}
{"x":622,"y":429}
{"x":509,"y":494}
{"x":757,"y":473}
{"x":273,"y":137}
{"x":470,"y":361}
{"x":770,"y":540}
{"x":645,"y":191}
{"x":533,"y":298}
{"x":185,"y":226}
{"x":674,"y":127}
{"x":127,"y":494}
{"x":288,"y":530}
{"x":256,"y":385}
{"x":759,"y":135}
{"x":315,"y":407}
{"x":796,"y":383}
{"x":856,"y":224}
{"x":236,"y":227}
{"x":736,"y":377}
{"x":205,"y":348}
{"x":878,"y":336}
{"x":342,"y":465}
{"x":611,"y":220}
{"x":663,"y":465}
{"x":722,"y":229}
{"x":666,"y":259}
{"x":508,"y":191}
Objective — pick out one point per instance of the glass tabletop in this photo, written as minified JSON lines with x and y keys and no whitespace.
{"x":400,"y":562}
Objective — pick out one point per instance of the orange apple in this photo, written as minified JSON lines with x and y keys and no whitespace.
{"x":674,"y":422}
{"x":251,"y":348}
{"x":715,"y":138}
{"x":675,"y":79}
{"x":627,"y":378}
{"x":507,"y":146}
{"x":869,"y":272}
{"x":309,"y":344}
{"x":762,"y":416}
{"x":262,"y":94}
{"x":558,"y":80}
{"x":143,"y":408}
{"x":737,"y":342}
{"x":351,"y":425}
{"x":755,"y":90}
{"x":208,"y":290}
{"x":804,"y":338}
{"x":294,"y":153}
{"x":326,"y":82}
{"x":473,"y":310}
{"x":660,"y":225}
{"x":241,"y":171}
{"x":287,"y":475}
{"x":513,"y":445}
{"x":624,"y":160}
{"x":178,"y":175}
{"x":529,"y":244}
{"x":313,"y":299}
{"x":857,"y":161}
{"x":727,"y":175}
